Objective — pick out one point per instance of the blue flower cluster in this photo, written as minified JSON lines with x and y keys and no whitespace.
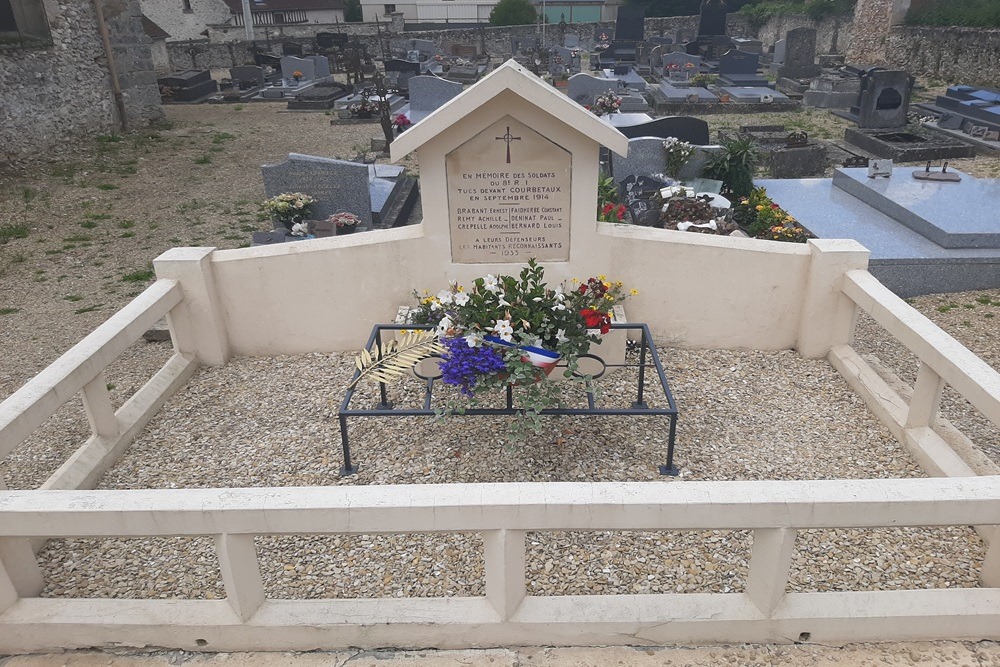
{"x":462,"y":365}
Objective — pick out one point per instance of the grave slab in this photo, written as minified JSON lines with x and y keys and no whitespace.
{"x":753,"y":94}
{"x":906,"y":262}
{"x":678,"y":94}
{"x":949,"y":214}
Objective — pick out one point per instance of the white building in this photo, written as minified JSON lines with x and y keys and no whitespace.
{"x":189,"y":19}
{"x":478,"y":11}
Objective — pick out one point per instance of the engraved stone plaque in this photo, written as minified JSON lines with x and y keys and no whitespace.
{"x":509,"y":197}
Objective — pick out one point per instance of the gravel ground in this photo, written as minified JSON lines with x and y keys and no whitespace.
{"x":95,"y":223}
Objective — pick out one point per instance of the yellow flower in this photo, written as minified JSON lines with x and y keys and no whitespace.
{"x":618,"y":284}
{"x":575,"y":280}
{"x":607,"y":285}
{"x":633,"y":291}
{"x":602,"y":277}
{"x":608,"y":297}
{"x":760,"y":207}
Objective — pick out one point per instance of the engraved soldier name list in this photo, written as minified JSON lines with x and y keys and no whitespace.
{"x":509,"y":196}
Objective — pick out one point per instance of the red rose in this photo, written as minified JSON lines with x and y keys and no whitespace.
{"x":583,"y":289}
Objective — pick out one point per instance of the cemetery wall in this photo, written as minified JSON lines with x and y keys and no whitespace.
{"x":54,"y":94}
{"x":225,"y":46}
{"x":873,"y":19}
{"x":954,"y":55}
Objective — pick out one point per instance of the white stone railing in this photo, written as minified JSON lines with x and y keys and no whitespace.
{"x":81,"y":370}
{"x":943,"y":360}
{"x":503,"y":514}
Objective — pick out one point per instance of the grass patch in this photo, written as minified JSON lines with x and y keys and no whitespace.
{"x":237,"y":107}
{"x":985,"y":300}
{"x":73,"y":297}
{"x":220,"y":137}
{"x":88,"y":309}
{"x":18,"y":258}
{"x":138,"y":276}
{"x":9,"y":311}
{"x":112,"y":138}
{"x":97,"y":216}
{"x":88,"y":224}
{"x":946,"y":308}
{"x":126,"y":235}
{"x":107,"y":186}
{"x":55,"y":252}
{"x":13,"y":231}
{"x":77,"y":239}
{"x":126,"y":224}
{"x":203,"y":159}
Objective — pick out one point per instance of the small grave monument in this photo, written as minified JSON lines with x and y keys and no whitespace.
{"x":800,"y":55}
{"x":187,"y":86}
{"x":739,"y":68}
{"x":428,"y":94}
{"x":368,"y":191}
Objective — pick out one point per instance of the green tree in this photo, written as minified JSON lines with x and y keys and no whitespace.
{"x":513,"y":12}
{"x":679,"y":7}
{"x":352,"y":11}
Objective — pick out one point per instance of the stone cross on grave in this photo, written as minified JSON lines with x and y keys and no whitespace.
{"x":508,"y":138}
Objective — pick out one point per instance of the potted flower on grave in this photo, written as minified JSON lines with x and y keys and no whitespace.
{"x":344,"y":222}
{"x":297,"y":75}
{"x":510,"y":330}
{"x":401,"y":123}
{"x":606,"y":103}
{"x":287,"y":209}
{"x":365,"y":108}
{"x":678,"y":153}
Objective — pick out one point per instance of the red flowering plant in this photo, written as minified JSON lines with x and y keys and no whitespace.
{"x":612,"y":212}
{"x":595,"y":299}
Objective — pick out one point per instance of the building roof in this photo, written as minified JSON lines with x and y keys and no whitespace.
{"x":236,"y":6}
{"x":513,"y":77}
{"x":152,"y":30}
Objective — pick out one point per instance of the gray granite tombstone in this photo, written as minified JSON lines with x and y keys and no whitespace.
{"x":739,"y":68}
{"x":748,"y":45}
{"x":800,"y":54}
{"x":679,"y":66}
{"x":885,"y":99}
{"x":712,"y":19}
{"x":268,"y":238}
{"x":429,"y":93}
{"x":321,"y":66}
{"x":423,"y":46}
{"x":292,"y":64}
{"x":682,"y":37}
{"x":571,"y":41}
{"x":584,"y":87}
{"x":647,"y":156}
{"x":778,"y":55}
{"x":336,"y":185}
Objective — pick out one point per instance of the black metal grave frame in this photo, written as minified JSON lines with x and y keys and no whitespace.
{"x":648,"y":357}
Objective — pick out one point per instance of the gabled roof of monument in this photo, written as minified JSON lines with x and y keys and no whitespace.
{"x":513,"y":77}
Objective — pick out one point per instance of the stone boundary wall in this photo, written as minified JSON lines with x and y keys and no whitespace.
{"x":53,"y":94}
{"x":954,"y":55}
{"x":873,"y":18}
{"x":224,"y":47}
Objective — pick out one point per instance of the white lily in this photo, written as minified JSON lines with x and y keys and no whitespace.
{"x":461,"y":298}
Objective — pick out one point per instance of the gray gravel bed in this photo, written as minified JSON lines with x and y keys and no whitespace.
{"x":744,"y":415}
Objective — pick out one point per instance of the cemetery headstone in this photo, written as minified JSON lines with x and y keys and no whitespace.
{"x":428,"y":94}
{"x":291,"y":49}
{"x":800,"y":55}
{"x":187,"y":86}
{"x":739,"y":68}
{"x":712,"y":18}
{"x":679,"y":66}
{"x":686,"y":128}
{"x":645,"y":213}
{"x":336,"y":185}
{"x":639,"y":188}
{"x":885,"y":99}
{"x":748,"y":45}
{"x":321,"y":66}
{"x":246,"y":77}
{"x":583,"y":87}
{"x":571,"y":41}
{"x":630,"y":25}
{"x":778,"y":55}
{"x":292,"y":64}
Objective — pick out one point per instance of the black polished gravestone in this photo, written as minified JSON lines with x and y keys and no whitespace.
{"x":685,"y":128}
{"x":638,"y":188}
{"x":291,"y":49}
{"x":712,"y":20}
{"x":739,"y":68}
{"x":630,"y":25}
{"x":645,"y":213}
{"x":187,"y":86}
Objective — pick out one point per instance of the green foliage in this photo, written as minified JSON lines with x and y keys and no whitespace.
{"x":679,"y":7}
{"x":513,"y":12}
{"x":734,"y":166}
{"x":352,"y":11}
{"x":14,"y":231}
{"x":759,"y":13}
{"x":971,"y":13}
{"x":139,"y":276}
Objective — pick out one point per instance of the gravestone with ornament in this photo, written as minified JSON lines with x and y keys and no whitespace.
{"x":371,"y":192}
{"x":583,"y":88}
{"x":679,"y":67}
{"x":646,"y":155}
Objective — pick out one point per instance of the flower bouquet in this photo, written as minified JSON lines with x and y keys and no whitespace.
{"x":287,"y":209}
{"x":515,"y":330}
{"x":364,"y":108}
{"x":606,"y":103}
{"x":401,"y":122}
{"x":678,"y":154}
{"x":344,"y":222}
